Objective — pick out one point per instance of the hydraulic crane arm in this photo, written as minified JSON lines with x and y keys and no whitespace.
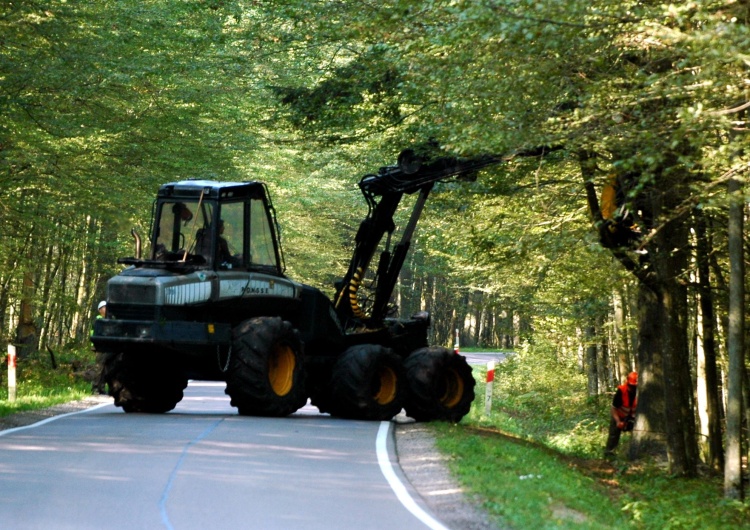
{"x":383,"y":193}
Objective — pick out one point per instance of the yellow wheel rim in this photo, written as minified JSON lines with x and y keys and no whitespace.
{"x":386,"y":391}
{"x":454,"y":389}
{"x":281,"y":365}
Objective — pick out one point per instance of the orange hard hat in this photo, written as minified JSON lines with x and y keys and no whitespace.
{"x":633,"y":378}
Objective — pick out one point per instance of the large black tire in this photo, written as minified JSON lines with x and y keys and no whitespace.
{"x":266,"y":373}
{"x":367,"y":383}
{"x":144,"y":381}
{"x":441,"y":385}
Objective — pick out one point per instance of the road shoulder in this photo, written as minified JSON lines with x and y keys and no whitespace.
{"x":427,"y":471}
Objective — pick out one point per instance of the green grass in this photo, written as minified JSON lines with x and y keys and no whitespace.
{"x":536,"y":461}
{"x":38,"y":385}
{"x":524,"y":485}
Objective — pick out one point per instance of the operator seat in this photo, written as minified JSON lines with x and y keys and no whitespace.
{"x":203,"y":244}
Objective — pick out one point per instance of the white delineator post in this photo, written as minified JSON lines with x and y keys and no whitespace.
{"x":11,"y":372}
{"x":455,"y":344}
{"x":488,"y":388}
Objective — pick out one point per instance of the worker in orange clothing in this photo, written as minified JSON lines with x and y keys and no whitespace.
{"x":622,"y":414}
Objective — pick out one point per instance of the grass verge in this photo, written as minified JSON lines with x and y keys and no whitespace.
{"x":536,"y":462}
{"x":39,"y":385}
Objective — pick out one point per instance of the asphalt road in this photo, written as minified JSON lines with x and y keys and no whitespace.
{"x":202,"y":466}
{"x":484,"y":357}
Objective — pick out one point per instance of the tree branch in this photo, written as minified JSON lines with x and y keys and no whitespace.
{"x":733,"y":110}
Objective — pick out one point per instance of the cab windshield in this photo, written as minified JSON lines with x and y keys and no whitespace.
{"x":181,"y":225}
{"x":185,"y":234}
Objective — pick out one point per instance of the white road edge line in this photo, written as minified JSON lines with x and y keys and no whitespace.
{"x":51,"y":419}
{"x":381,"y":448}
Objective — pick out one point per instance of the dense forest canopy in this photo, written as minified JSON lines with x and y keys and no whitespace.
{"x":640,"y":109}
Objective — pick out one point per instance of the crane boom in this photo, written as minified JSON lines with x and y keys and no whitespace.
{"x":383,"y":192}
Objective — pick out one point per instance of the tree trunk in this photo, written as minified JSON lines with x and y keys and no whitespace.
{"x":477,"y":311}
{"x":591,"y":365}
{"x":733,"y":488}
{"x":602,"y":364}
{"x":707,"y":370}
{"x":622,"y":365}
{"x":648,"y":436}
{"x":670,"y":258}
{"x":581,"y":351}
{"x":680,"y":426}
{"x":508,"y":334}
{"x":659,"y":267}
{"x":27,"y":334}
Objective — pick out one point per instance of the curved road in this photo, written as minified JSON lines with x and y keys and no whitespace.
{"x":203,"y":466}
{"x":485,"y":357}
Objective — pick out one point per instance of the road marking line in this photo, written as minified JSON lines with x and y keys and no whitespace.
{"x":173,"y":475}
{"x":51,"y":419}
{"x":381,"y":448}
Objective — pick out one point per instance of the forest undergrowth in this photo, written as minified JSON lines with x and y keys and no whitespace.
{"x":44,"y":379}
{"x":536,"y":461}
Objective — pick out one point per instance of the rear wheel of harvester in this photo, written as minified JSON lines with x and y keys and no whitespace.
{"x":367,"y":383}
{"x":144,"y":382}
{"x":265,"y":375}
{"x":441,"y":385}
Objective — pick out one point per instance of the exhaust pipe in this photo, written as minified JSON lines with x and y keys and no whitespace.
{"x":137,"y":243}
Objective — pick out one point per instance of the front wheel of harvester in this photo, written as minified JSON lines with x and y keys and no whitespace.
{"x":144,"y":381}
{"x":441,"y":385}
{"x":266,"y":374}
{"x":367,"y":383}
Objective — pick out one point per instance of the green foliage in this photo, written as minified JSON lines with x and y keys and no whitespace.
{"x":39,"y":385}
{"x":567,"y":421}
{"x":101,"y":103}
{"x":104,"y":101}
{"x":525,"y":486}
{"x":536,"y":460}
{"x":654,"y":500}
{"x":365,"y":84}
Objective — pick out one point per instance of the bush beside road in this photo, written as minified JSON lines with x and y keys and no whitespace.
{"x":536,"y":461}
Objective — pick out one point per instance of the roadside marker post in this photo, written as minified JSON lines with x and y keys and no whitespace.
{"x":455,"y":344}
{"x":488,"y":388}
{"x":11,"y":372}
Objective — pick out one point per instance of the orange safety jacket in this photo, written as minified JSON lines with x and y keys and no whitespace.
{"x":627,"y":408}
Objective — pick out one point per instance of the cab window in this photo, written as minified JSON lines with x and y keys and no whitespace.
{"x":262,"y":248}
{"x":178,"y":226}
{"x":231,"y":233}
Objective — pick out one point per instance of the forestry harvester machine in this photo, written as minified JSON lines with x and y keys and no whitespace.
{"x":211,"y":301}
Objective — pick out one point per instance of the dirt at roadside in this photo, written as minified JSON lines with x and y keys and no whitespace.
{"x":423,"y":465}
